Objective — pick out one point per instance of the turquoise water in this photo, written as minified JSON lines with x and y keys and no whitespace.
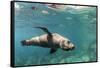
{"x":79,"y":25}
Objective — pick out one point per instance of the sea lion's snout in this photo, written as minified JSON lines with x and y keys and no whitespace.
{"x":72,"y":46}
{"x":67,"y":45}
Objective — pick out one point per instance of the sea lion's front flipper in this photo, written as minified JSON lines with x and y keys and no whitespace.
{"x":45,"y":30}
{"x":53,"y":50}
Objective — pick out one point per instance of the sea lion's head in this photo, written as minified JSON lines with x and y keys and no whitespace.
{"x":67,"y":45}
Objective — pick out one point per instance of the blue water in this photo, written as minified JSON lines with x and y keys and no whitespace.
{"x":79,"y":25}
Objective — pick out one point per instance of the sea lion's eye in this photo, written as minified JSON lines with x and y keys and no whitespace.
{"x":68,"y":42}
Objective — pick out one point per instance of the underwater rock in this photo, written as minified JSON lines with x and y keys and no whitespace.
{"x":85,"y":58}
{"x":62,"y":61}
{"x":91,"y":52}
{"x":53,"y":61}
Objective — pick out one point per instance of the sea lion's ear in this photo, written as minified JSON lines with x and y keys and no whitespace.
{"x":53,"y":50}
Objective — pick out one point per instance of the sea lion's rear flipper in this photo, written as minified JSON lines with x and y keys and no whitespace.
{"x":45,"y":30}
{"x":53,"y":50}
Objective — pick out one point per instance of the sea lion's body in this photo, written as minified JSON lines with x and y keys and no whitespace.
{"x":53,"y":41}
{"x":46,"y":41}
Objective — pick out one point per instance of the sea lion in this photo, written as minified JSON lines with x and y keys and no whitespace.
{"x":50,"y":40}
